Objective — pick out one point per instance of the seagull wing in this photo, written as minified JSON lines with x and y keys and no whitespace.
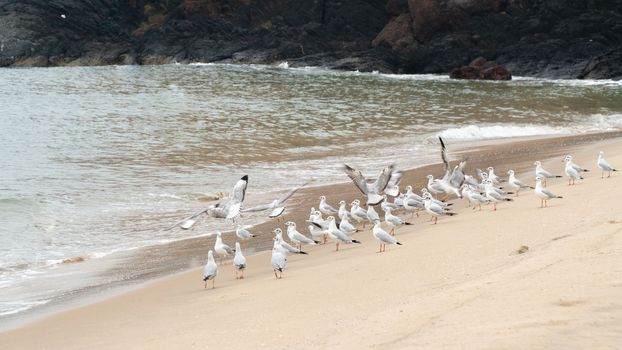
{"x":383,"y":179}
{"x":287,"y":195}
{"x":357,"y":177}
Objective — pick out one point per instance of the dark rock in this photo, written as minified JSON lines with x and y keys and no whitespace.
{"x":480,"y":68}
{"x":397,"y":34}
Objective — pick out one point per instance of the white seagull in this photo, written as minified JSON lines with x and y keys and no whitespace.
{"x":278,"y":261}
{"x":277,"y":206}
{"x":383,"y":237}
{"x":338,"y":235}
{"x":359,"y":214}
{"x":284,"y":247}
{"x":543,"y":173}
{"x":243,"y":233}
{"x":210,"y":271}
{"x":543,"y":193}
{"x":298,"y":237}
{"x":326,"y":208}
{"x":228,"y":209}
{"x":239,"y":261}
{"x":220,"y":248}
{"x":433,"y":208}
{"x":516,"y":183}
{"x":393,"y":220}
{"x":493,"y":195}
{"x":373,"y":191}
{"x":570,"y":171}
{"x":604,"y":165}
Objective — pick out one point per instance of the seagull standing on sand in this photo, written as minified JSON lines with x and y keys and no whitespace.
{"x":372,"y":215}
{"x":343,"y":211}
{"x":283,"y":246}
{"x":433,"y":208}
{"x":239,"y":261}
{"x":210,"y":271}
{"x":516,"y":183}
{"x":222,"y":249}
{"x":571,"y":172}
{"x":392,"y":220}
{"x":317,"y":232}
{"x":278,"y":261}
{"x":243,"y":233}
{"x":543,"y":173}
{"x":492,"y":176}
{"x":383,"y":237}
{"x":358,"y":213}
{"x":338,"y":235}
{"x":298,"y":237}
{"x":604,"y":165}
{"x":494,"y":196}
{"x":568,"y":158}
{"x":346,"y":226}
{"x":326,"y":208}
{"x":543,"y":193}
{"x":475,"y":197}
{"x":277,"y":206}
{"x":372,"y":191}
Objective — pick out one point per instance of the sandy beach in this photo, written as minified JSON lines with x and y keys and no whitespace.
{"x":518,"y":278}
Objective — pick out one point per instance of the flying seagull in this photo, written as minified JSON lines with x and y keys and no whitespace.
{"x":373,"y":190}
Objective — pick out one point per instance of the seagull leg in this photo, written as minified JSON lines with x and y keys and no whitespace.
{"x":393,"y":231}
{"x":435,"y":219}
{"x":380,"y":248}
{"x":275,"y":275}
{"x":213,"y":282}
{"x":337,"y":246}
{"x":205,"y":284}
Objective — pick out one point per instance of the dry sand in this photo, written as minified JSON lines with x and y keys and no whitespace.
{"x":460,"y":284}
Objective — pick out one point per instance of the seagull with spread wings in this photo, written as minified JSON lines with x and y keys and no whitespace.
{"x":373,"y":190}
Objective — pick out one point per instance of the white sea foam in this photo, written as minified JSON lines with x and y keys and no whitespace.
{"x":499,"y":131}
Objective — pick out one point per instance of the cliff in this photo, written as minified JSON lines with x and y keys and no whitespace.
{"x":554,"y":38}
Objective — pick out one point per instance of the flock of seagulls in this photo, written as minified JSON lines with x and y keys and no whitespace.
{"x":340,"y":225}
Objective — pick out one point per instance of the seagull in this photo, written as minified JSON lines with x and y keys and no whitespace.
{"x":543,"y":193}
{"x":570,"y":171}
{"x":494,"y":196}
{"x":358,"y":213}
{"x":315,"y":219}
{"x":228,"y":209}
{"x":393,"y":221}
{"x":278,"y":261}
{"x":516,"y":183}
{"x":543,"y":173}
{"x":317,"y":232}
{"x":222,"y":249}
{"x":372,"y":215}
{"x":604,"y":165}
{"x":210,"y":271}
{"x":298,"y":237}
{"x":434,"y":185}
{"x":433,"y":208}
{"x":453,"y":178}
{"x":276,"y":205}
{"x":338,"y":235}
{"x":383,"y":237}
{"x":243,"y":233}
{"x":284,"y":247}
{"x":239,"y":261}
{"x":374,"y":190}
{"x":343,"y":211}
{"x":326,"y":208}
{"x":492,"y":176}
{"x":346,"y":226}
{"x":475,"y":197}
{"x":575,"y":166}
{"x":393,"y":188}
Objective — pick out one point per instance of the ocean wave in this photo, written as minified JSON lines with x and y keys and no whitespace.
{"x":499,"y":131}
{"x":11,"y":308}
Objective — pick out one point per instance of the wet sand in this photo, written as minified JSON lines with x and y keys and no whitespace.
{"x":463,"y":277}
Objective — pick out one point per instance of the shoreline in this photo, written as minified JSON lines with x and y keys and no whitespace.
{"x":541,"y":295}
{"x":150,"y":264}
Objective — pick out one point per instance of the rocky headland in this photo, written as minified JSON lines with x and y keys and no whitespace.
{"x":552,"y":38}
